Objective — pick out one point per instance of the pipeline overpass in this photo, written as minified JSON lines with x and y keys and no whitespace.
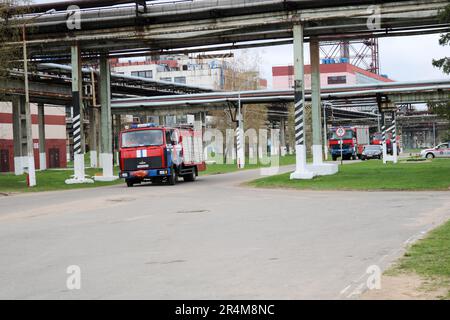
{"x":103,"y":29}
{"x":51,"y":83}
{"x":346,"y":97}
{"x":153,"y":28}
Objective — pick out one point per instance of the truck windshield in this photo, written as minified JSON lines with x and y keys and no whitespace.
{"x":349,"y":134}
{"x":142,"y":138}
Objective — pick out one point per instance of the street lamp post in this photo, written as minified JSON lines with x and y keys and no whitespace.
{"x":30,"y":147}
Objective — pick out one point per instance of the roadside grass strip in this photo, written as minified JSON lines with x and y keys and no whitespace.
{"x":372,"y":175}
{"x":430,"y":259}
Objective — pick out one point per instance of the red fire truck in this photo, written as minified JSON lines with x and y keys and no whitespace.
{"x":353,"y":142}
{"x":160,"y":154}
{"x":377,"y":139}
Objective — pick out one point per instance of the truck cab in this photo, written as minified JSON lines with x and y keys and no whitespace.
{"x":353,"y":142}
{"x":149,"y":153}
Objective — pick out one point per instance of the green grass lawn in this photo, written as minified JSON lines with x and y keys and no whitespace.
{"x":372,"y":175}
{"x":227,"y":168}
{"x":430,"y":258}
{"x":48,"y":180}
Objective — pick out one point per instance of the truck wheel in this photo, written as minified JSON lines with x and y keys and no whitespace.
{"x":130,"y":184}
{"x":430,"y":156}
{"x":172,"y":180}
{"x":334,"y":158}
{"x":189,"y":177}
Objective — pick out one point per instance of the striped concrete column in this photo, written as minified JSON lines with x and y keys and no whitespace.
{"x":383,"y":135}
{"x":240,"y":139}
{"x":394,"y":137}
{"x":301,"y":171}
{"x":77,"y":120}
{"x":78,"y":139}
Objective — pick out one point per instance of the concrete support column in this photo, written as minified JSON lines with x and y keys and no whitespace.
{"x":319,"y":167}
{"x":93,"y":136}
{"x":394,"y":137}
{"x":301,"y":171}
{"x":78,"y":119}
{"x":283,"y":150}
{"x":42,"y":152}
{"x":316,"y":102}
{"x":29,"y":163}
{"x":117,"y":127}
{"x":17,"y":137}
{"x":106,"y":118}
{"x":240,"y":138}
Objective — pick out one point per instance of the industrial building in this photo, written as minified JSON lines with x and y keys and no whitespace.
{"x":55,"y":137}
{"x":331,"y":74}
{"x":217,"y":72}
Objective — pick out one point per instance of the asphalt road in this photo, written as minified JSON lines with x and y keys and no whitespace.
{"x":211,"y":239}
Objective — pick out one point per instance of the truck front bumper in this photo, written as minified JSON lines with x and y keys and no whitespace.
{"x":145,"y":174}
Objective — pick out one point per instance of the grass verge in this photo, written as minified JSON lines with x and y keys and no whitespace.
{"x":228,"y":168}
{"x":372,"y":175}
{"x":48,"y":180}
{"x":429,"y":258}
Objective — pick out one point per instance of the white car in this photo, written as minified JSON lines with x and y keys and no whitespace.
{"x":441,"y":151}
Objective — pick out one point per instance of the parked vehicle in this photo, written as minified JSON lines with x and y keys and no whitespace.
{"x":160,"y":154}
{"x":440,"y":151}
{"x":353,"y":142}
{"x":377,"y":138}
{"x":372,"y":152}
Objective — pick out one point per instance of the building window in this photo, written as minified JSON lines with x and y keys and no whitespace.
{"x":181,"y":80}
{"x":143,"y":74}
{"x":337,"y":80}
{"x":166,"y":79}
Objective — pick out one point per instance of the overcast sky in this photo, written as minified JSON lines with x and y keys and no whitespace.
{"x":401,"y":58}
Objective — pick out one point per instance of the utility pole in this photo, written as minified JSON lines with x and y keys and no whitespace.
{"x":29,"y":124}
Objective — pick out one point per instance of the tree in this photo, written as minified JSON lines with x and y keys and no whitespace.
{"x":444,"y":63}
{"x":443,"y":109}
{"x":241,"y":75}
{"x":10,"y":32}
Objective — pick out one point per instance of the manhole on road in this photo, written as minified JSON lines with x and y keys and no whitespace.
{"x":166,"y":262}
{"x":121,"y":200}
{"x":193,"y":211}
